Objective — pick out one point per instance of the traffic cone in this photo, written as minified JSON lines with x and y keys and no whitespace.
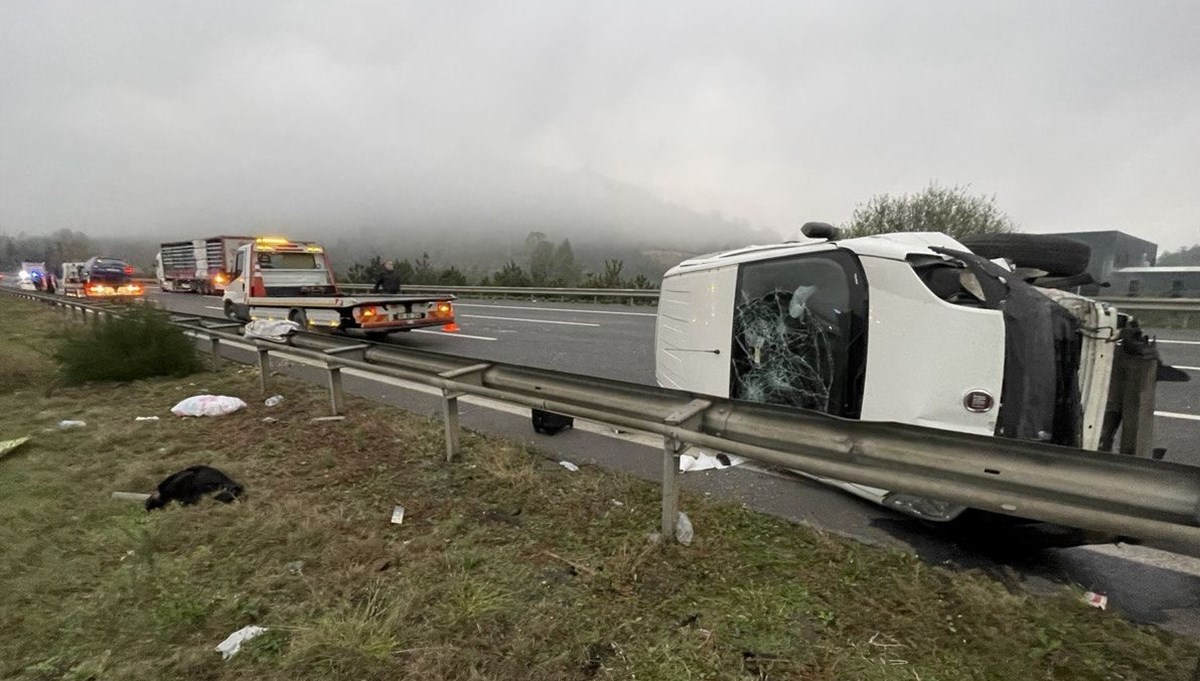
{"x":452,"y":327}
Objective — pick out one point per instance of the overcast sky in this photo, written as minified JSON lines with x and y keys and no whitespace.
{"x":131,"y":116}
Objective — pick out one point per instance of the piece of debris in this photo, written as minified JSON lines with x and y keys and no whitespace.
{"x":269,"y":419}
{"x":130,"y":496}
{"x":233,"y":643}
{"x":320,"y":419}
{"x":1096,"y":600}
{"x":9,"y":446}
{"x":295,"y":567}
{"x":683,"y":529}
{"x":276,"y":330}
{"x":689,"y":621}
{"x":383,"y":564}
{"x":703,"y":461}
{"x":68,"y":424}
{"x":614,"y":502}
{"x":146,"y":418}
{"x":397,"y":515}
{"x":549,"y":423}
{"x":274,"y":401}
{"x":569,"y":466}
{"x":189,"y":485}
{"x":208,"y":405}
{"x":574,"y":566}
{"x":128,"y":554}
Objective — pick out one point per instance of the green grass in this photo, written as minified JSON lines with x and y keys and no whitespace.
{"x":478,"y":583}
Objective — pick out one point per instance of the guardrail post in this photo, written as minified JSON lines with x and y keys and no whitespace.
{"x":264,"y":368}
{"x":215,"y":349}
{"x":471,"y":374}
{"x":336,"y":397}
{"x":687,"y":417}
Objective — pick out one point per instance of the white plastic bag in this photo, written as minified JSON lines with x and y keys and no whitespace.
{"x":233,"y":643}
{"x":683,"y":530}
{"x":270,"y":329}
{"x":208,"y":405}
{"x":703,"y":461}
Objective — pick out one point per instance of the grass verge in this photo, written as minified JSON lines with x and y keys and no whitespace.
{"x":507,"y":566}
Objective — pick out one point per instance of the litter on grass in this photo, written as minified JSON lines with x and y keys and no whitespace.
{"x":274,"y":401}
{"x":703,"y":461}
{"x":130,"y":496}
{"x":569,"y":466}
{"x":683,"y":530}
{"x":208,"y":405}
{"x":146,"y":418}
{"x":68,"y":424}
{"x":1096,"y":600}
{"x":397,"y":515}
{"x":233,"y":643}
{"x":322,"y":419}
{"x":9,"y":446}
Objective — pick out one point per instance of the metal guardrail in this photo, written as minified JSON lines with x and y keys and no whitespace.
{"x":1153,"y":501}
{"x":1155,"y":304}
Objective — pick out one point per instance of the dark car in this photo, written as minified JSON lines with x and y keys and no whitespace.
{"x":108,"y":269}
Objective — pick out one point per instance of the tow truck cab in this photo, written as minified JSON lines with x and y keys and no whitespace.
{"x":908,"y":328}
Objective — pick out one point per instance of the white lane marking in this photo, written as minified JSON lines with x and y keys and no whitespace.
{"x":1179,"y":342}
{"x":519,"y":319}
{"x":213,"y":307}
{"x":454,"y":335}
{"x":1174,"y":415}
{"x":558,"y":309}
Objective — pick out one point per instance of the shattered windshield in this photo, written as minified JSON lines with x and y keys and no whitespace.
{"x":799,"y":333}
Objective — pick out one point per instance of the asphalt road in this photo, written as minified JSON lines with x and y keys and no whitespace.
{"x":617,"y":342}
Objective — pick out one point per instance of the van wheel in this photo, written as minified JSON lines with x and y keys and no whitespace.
{"x":231,"y":311}
{"x":300,"y":318}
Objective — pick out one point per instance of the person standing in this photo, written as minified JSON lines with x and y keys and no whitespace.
{"x":389,"y":280}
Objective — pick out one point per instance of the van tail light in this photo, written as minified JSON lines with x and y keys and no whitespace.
{"x":442,"y":310}
{"x":368,"y":313}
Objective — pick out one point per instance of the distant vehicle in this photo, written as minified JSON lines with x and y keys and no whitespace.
{"x":202,"y":266}
{"x":274,"y":278}
{"x":100,"y":277}
{"x":32,"y":276}
{"x":911,"y":328}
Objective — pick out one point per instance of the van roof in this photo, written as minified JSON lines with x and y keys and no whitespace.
{"x":893,"y":246}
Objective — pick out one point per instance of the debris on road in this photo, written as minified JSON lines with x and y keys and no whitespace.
{"x":1096,"y":600}
{"x":69,"y":424}
{"x":233,"y":643}
{"x":208,"y":405}
{"x":274,"y":401}
{"x":146,"y":418}
{"x":189,"y":485}
{"x":9,"y":446}
{"x":569,"y":466}
{"x":276,"y":330}
{"x":130,"y":496}
{"x":683,"y":530}
{"x":703,"y":461}
{"x":397,"y":515}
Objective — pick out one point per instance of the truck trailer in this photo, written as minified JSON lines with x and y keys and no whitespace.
{"x":201,"y":266}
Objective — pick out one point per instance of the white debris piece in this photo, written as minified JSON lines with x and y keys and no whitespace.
{"x":1096,"y":600}
{"x":276,"y":330}
{"x":703,"y":461}
{"x":683,"y":530}
{"x":569,"y":466}
{"x":208,"y":405}
{"x":68,"y":424}
{"x":274,"y":401}
{"x":146,"y":418}
{"x":233,"y":644}
{"x":397,"y":515}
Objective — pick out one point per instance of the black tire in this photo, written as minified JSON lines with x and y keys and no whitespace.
{"x":300,"y":318}
{"x":1059,"y":256}
{"x":231,"y":312}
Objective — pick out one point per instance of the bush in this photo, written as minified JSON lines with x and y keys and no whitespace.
{"x":140,"y":344}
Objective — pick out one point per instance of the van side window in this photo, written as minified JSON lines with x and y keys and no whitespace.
{"x":799,"y":333}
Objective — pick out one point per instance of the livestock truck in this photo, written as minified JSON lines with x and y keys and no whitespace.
{"x":201,"y":266}
{"x":276,"y":278}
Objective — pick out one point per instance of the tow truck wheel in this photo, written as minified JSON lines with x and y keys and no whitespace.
{"x":231,"y":311}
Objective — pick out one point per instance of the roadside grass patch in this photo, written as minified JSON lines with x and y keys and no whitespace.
{"x":506,"y":566}
{"x":141,"y":343}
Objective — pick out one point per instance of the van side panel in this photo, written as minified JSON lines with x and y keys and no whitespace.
{"x":693,"y":330}
{"x":924,"y":354}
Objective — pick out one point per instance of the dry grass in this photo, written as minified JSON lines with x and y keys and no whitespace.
{"x":506,"y":567}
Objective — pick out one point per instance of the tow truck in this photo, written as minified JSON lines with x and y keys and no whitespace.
{"x":276,"y":278}
{"x":100,"y":277}
{"x":977,"y":336}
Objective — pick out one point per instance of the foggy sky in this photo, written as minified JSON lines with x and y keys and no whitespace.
{"x":145,"y":116}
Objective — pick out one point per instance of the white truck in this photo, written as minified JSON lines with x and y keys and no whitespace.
{"x":275,"y":278}
{"x":200,"y":265}
{"x":912,"y":328}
